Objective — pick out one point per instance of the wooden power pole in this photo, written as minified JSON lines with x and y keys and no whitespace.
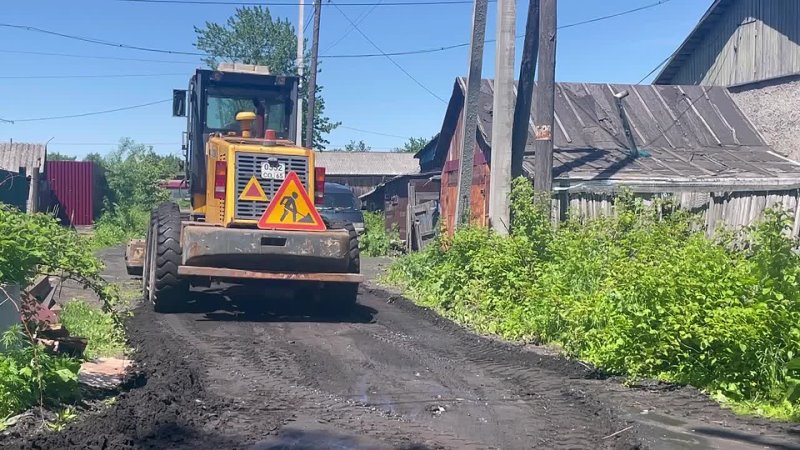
{"x":312,"y":77}
{"x":471,"y":100}
{"x":503,"y":115}
{"x":544,"y":103}
{"x":300,"y":55}
{"x":527,"y":75}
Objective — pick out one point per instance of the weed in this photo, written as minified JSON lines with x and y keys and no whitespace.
{"x":98,"y":327}
{"x":63,"y":417}
{"x":377,"y":240}
{"x":28,"y":375}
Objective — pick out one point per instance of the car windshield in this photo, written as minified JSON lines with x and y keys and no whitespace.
{"x":340,"y":200}
{"x":270,"y":109}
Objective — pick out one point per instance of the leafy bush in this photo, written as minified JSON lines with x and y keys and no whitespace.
{"x":119,"y":226}
{"x":644,"y":293}
{"x":376,"y":240}
{"x":133,"y":173}
{"x":28,"y":375}
{"x":31,"y":245}
{"x":82,"y":319}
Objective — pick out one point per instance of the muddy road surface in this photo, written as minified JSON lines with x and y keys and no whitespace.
{"x":241,"y":371}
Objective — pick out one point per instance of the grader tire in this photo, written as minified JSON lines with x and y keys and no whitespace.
{"x":168,"y":290}
{"x":339,"y":297}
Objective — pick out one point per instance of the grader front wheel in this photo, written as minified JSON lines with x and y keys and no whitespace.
{"x":167,"y":290}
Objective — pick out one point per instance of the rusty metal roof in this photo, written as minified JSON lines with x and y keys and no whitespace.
{"x":685,"y":134}
{"x":367,"y":163}
{"x":18,"y":154}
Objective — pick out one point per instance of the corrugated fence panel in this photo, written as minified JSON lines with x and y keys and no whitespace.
{"x":73,"y":184}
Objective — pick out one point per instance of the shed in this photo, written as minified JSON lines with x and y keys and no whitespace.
{"x":21,"y":159}
{"x":690,"y":141}
{"x":362,"y":171}
{"x":410,"y":204}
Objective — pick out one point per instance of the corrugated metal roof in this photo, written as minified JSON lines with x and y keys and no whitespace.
{"x":18,"y":154}
{"x":707,"y":22}
{"x":367,"y":163}
{"x":682,"y":132}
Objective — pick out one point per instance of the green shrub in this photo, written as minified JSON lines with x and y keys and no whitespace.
{"x":82,"y":319}
{"x":119,"y":226}
{"x":32,"y":245}
{"x":29,"y":375}
{"x":643,"y":293}
{"x":376,"y":240}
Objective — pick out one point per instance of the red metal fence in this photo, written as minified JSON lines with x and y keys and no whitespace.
{"x":76,"y":190}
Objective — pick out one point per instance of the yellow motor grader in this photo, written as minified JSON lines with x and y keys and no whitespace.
{"x":253,"y":196}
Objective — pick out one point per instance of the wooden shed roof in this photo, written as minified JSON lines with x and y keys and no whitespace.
{"x":689,"y":135}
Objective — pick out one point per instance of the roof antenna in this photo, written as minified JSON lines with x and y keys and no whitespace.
{"x":626,"y":124}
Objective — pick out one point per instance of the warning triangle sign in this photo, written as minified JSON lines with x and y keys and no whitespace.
{"x":291,"y":209}
{"x":253,"y":191}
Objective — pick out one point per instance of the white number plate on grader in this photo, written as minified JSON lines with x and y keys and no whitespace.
{"x":269,"y":172}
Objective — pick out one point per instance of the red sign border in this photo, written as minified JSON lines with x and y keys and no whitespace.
{"x":291,"y":177}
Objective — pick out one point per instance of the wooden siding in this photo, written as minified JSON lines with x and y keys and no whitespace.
{"x":731,"y":210}
{"x":479,"y":196}
{"x":753,"y":40}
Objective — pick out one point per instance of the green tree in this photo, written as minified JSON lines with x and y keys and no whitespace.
{"x":56,"y":156}
{"x":134,"y":171}
{"x":413,"y":145}
{"x":354,"y":146}
{"x":252,"y":36}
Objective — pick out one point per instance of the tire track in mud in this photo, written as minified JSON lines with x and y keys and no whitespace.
{"x":274,"y":378}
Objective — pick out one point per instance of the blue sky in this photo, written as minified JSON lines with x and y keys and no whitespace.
{"x":367,"y":93}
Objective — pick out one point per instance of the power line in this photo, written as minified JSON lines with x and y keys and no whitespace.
{"x":363,"y":55}
{"x":372,"y":132}
{"x":39,"y":77}
{"x":257,"y":3}
{"x":361,"y":17}
{"x":387,"y":56}
{"x":94,"y":113}
{"x":487,"y":41}
{"x":115,"y":58}
{"x":99,"y":41}
{"x":611,"y":16}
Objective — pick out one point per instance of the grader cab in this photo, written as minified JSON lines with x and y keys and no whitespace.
{"x":253,"y":196}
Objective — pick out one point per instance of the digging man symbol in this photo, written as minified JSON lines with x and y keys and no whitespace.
{"x":289,"y":206}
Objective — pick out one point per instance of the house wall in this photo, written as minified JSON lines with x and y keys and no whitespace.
{"x":774,"y":111}
{"x":753,"y":40}
{"x":479,"y":201}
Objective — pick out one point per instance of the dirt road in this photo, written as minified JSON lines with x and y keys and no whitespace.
{"x":387,"y":375}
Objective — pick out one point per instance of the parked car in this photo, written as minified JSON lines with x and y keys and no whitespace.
{"x":341,"y":206}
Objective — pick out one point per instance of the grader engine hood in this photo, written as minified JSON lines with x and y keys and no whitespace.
{"x":252,"y":172}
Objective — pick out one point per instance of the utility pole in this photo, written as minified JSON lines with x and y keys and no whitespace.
{"x":471,"y":111}
{"x":543,"y":109}
{"x":300,"y":42}
{"x":503,"y":115}
{"x":527,"y":74}
{"x":312,"y":77}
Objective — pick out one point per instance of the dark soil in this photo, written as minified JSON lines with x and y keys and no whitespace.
{"x":244,"y":371}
